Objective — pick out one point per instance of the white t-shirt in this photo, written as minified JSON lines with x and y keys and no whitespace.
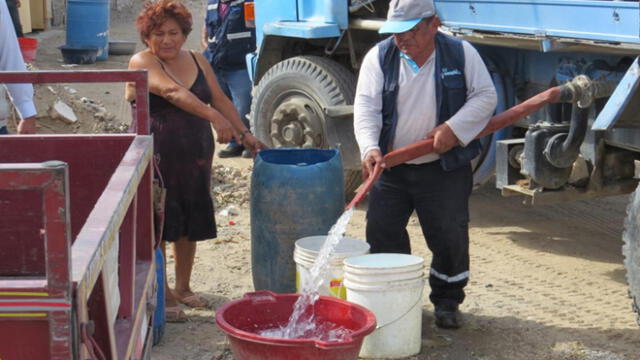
{"x":416,"y":103}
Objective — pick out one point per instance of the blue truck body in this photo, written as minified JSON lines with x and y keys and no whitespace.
{"x":533,"y":42}
{"x":309,"y":53}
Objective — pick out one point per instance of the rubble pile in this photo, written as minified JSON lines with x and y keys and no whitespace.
{"x":230,"y":186}
{"x":67,"y":109}
{"x":61,"y":109}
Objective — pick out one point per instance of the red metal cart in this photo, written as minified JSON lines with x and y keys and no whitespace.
{"x":77,"y":274}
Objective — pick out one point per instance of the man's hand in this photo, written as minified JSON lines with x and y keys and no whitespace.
{"x":443,"y":138}
{"x":27,"y":126}
{"x":372,"y":158}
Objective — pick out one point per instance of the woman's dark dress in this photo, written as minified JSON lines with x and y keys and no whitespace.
{"x":183,"y":144}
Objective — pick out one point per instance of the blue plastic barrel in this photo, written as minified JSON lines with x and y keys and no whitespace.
{"x":159,"y":320}
{"x":294,"y":193}
{"x":88,"y":25}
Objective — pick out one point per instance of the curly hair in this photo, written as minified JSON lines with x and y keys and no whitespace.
{"x":154,"y":14}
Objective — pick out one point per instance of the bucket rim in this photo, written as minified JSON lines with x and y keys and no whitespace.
{"x":308,"y":261}
{"x":27,"y":41}
{"x":270,"y":296}
{"x":345,"y":241}
{"x":278,"y":156}
{"x":337,"y":260}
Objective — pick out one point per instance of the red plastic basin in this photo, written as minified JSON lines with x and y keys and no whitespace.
{"x":28,"y":48}
{"x":242,"y":319}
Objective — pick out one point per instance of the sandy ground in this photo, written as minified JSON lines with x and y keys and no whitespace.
{"x":546,"y":283}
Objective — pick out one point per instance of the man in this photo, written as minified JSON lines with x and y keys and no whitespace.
{"x":227,"y":40}
{"x":420,"y":83}
{"x":11,"y":60}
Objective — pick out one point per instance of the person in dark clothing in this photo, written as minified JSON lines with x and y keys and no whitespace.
{"x":226,"y":40}
{"x":13,"y":6}
{"x":185,"y":101}
{"x":417,"y":84}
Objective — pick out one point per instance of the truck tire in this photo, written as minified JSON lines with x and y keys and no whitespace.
{"x":287,"y":110}
{"x":631,"y":250}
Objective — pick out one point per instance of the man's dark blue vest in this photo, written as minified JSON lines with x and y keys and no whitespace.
{"x":451,"y":94}
{"x":228,"y":39}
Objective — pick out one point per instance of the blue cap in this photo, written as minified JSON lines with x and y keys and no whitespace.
{"x":403,"y":15}
{"x":396,"y":27}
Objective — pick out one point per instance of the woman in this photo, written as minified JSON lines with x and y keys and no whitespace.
{"x":184,"y":102}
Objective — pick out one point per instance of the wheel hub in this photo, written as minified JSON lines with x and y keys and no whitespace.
{"x":293,"y":133}
{"x":297,"y":123}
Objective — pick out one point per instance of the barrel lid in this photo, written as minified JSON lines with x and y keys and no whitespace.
{"x":347,"y":246}
{"x":383,"y":260}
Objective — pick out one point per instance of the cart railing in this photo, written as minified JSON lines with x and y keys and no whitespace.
{"x":76,"y":203}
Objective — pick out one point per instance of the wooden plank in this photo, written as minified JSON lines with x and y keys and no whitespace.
{"x":38,"y":14}
{"x":127,"y":262}
{"x":25,"y":16}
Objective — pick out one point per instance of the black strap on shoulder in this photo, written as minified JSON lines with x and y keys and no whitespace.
{"x":195,"y":60}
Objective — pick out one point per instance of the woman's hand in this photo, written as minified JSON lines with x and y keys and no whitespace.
{"x":223,"y":129}
{"x":252,"y":144}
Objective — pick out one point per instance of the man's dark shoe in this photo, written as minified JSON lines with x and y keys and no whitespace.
{"x":447,"y":316}
{"x":232,"y":150}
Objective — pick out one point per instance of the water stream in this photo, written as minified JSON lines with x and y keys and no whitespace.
{"x":302,"y":323}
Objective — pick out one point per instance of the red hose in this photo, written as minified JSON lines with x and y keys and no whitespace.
{"x":364,"y":190}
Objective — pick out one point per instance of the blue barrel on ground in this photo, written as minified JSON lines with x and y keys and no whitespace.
{"x":88,"y":25}
{"x":159,"y":320}
{"x":294,"y":193}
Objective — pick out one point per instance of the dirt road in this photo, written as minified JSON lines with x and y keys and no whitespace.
{"x":546,"y":283}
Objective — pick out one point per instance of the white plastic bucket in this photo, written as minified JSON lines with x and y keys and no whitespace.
{"x":390,"y":285}
{"x":306,"y":251}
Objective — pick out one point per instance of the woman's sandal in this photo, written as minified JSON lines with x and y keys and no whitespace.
{"x":174,"y":314}
{"x":194,"y":301}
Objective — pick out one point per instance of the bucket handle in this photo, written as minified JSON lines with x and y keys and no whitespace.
{"x":401,"y":316}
